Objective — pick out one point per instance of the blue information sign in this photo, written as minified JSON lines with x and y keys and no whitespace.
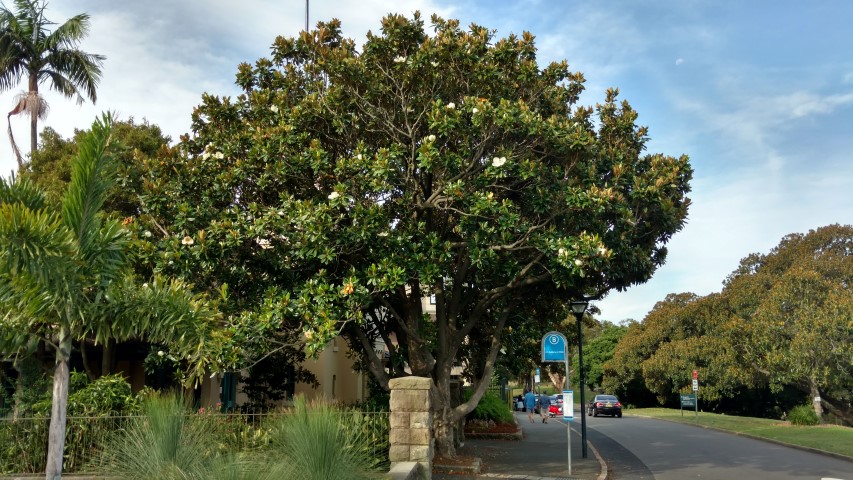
{"x":554,"y":347}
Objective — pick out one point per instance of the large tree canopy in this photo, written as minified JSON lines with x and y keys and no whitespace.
{"x":783,"y":320}
{"x":792,"y":314}
{"x":682,"y":333}
{"x":445,"y":163}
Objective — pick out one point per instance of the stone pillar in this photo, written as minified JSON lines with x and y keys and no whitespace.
{"x":412,"y":438}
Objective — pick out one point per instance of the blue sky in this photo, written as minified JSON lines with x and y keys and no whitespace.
{"x":759,"y":94}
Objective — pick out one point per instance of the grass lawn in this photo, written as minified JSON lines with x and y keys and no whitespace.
{"x":830,"y":438}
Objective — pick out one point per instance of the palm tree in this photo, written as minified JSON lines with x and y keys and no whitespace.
{"x":65,"y":276}
{"x":28,"y":49}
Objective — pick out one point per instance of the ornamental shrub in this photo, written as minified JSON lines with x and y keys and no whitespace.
{"x":803,"y":415}
{"x":491,"y":407}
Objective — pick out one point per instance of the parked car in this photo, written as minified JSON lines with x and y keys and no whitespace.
{"x":604,"y":405}
{"x":556,"y":408}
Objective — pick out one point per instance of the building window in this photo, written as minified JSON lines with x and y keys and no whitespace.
{"x":228,"y":391}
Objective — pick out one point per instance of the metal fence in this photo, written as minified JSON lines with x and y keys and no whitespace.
{"x":23,"y":442}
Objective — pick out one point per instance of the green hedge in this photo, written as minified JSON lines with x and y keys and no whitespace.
{"x":803,"y":415}
{"x":491,"y":407}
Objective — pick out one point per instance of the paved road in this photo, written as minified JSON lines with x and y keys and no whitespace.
{"x":639,"y":448}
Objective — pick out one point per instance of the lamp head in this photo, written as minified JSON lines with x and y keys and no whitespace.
{"x":579,"y":306}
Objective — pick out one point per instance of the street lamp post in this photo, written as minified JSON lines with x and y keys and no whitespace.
{"x":578,"y":309}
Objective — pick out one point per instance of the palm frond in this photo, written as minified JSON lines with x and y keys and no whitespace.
{"x":91,"y":178}
{"x":106,"y":257}
{"x":73,"y":72}
{"x":37,"y":270}
{"x":69,"y":34}
{"x":23,"y":191}
{"x":163,"y":311}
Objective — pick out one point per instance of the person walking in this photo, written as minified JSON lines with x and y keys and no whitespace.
{"x":529,"y":403}
{"x":544,"y":406}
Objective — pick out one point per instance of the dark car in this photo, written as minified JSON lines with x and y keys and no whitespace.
{"x":604,"y":405}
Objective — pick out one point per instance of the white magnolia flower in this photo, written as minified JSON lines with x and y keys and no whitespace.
{"x":451,"y":105}
{"x":147,"y":234}
{"x":219,"y":155}
{"x":434,"y":63}
{"x":498,"y":161}
{"x":187,"y":240}
{"x":205,"y":155}
{"x":264,"y":243}
{"x":383,"y":234}
{"x":358,"y":157}
{"x":160,"y":353}
{"x":561,"y":252}
{"x":145,"y":285}
{"x":431,"y":138}
{"x":474,"y":110}
{"x":578,"y":262}
{"x":602,"y":251}
{"x":334,"y":195}
{"x":399,"y":59}
{"x":274,"y":108}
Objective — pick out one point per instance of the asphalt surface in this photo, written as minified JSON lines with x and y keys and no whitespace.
{"x":542,"y":454}
{"x":637,"y":448}
{"x":644,"y":448}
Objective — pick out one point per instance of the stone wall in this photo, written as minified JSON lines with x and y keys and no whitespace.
{"x":412,"y":438}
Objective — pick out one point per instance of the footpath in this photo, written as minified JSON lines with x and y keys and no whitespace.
{"x":541,"y":455}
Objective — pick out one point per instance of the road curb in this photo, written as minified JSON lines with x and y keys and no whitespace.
{"x":603,"y":474}
{"x":756,"y":437}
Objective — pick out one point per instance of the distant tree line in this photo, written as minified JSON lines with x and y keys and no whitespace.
{"x":779,"y":334}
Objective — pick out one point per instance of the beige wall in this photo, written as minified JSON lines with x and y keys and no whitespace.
{"x":334,"y":371}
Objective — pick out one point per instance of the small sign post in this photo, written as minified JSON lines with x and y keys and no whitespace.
{"x":687,"y":400}
{"x":554,"y":350}
{"x":695,"y":394}
{"x":568,"y":417}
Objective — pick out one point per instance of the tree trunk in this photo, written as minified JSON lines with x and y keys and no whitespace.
{"x":34,"y":114}
{"x":61,"y":378}
{"x":86,"y":367}
{"x":444,"y":421}
{"x":107,"y":358}
{"x":19,"y":387}
{"x":815,"y":397}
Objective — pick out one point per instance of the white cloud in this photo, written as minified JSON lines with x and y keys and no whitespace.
{"x":679,"y":61}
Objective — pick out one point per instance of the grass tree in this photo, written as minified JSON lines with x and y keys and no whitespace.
{"x":65,"y":276}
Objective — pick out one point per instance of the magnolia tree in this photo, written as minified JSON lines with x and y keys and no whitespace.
{"x":345,"y":185}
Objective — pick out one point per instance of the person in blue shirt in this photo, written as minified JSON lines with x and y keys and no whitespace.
{"x":544,"y":407}
{"x":529,"y":403}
